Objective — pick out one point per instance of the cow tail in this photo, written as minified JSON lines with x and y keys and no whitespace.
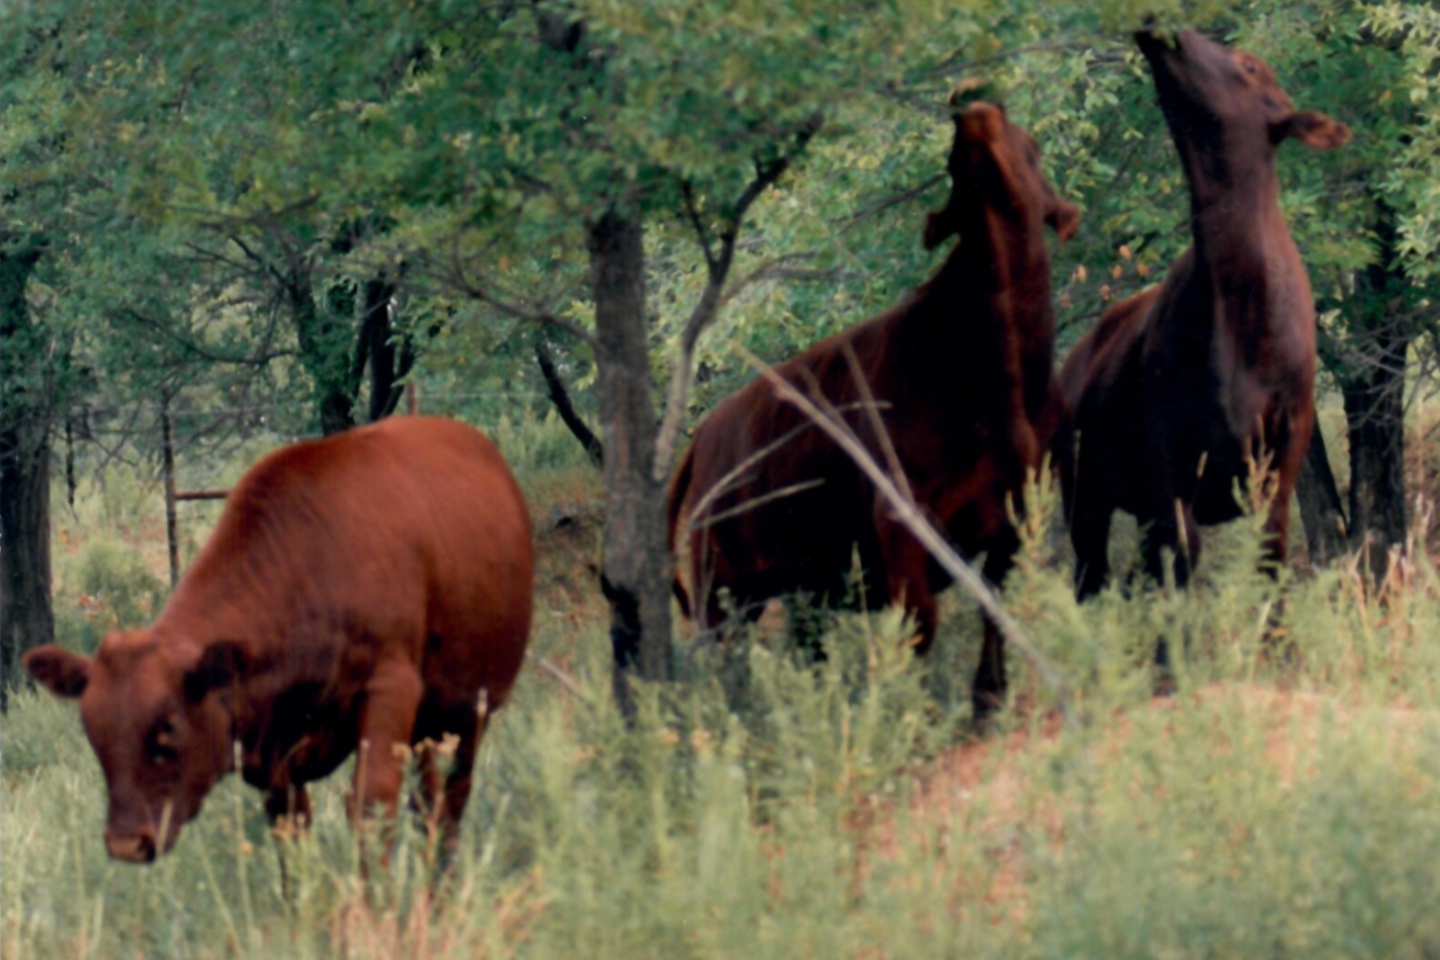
{"x":675,"y":501}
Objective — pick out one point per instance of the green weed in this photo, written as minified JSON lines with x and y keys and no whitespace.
{"x":1284,"y":802}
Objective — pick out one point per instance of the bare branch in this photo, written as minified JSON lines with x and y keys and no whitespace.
{"x":560,"y":397}
{"x":199,"y":350}
{"x":872,"y":413}
{"x":894,"y":200}
{"x":564,"y":678}
{"x":828,"y":419}
{"x":457,"y":278}
{"x":736,"y":475}
{"x":702,"y":233}
{"x":757,"y":502}
{"x":775,"y":269}
{"x":708,"y":307}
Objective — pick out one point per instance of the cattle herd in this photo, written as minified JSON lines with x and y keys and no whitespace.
{"x":372,"y":591}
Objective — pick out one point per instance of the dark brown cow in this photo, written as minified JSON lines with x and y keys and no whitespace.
{"x":963,"y":373}
{"x":371,"y":589}
{"x":1181,"y":384}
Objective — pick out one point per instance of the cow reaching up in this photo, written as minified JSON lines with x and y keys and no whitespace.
{"x":1180,"y":387}
{"x":962,"y":375}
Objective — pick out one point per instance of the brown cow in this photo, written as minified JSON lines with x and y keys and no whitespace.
{"x":1179,"y":386}
{"x":370,"y":589}
{"x":963,"y":374}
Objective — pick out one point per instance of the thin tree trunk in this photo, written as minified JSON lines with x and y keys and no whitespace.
{"x":1375,"y":414}
{"x":378,"y":331}
{"x":27,"y":618}
{"x":325,"y":355}
{"x":1374,"y":393}
{"x":70,"y":462}
{"x":636,"y":568}
{"x":1321,"y":510}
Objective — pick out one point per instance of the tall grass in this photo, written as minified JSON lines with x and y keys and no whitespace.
{"x":1285,"y":802}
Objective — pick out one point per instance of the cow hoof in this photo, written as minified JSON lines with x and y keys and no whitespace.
{"x":985,"y":706}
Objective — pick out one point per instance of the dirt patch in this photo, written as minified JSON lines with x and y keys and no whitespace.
{"x":567,"y":564}
{"x":981,"y":792}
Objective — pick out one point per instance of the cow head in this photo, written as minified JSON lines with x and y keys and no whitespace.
{"x":1217,"y":98}
{"x":995,"y":165}
{"x":161,"y":737}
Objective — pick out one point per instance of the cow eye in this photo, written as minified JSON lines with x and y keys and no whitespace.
{"x":163,"y":746}
{"x":1249,"y":66}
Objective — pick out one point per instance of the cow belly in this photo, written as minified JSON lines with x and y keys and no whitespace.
{"x":806,"y":545}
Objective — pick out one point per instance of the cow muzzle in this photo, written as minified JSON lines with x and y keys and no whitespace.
{"x":138,"y":847}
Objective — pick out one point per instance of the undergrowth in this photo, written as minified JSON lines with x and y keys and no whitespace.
{"x":1284,"y":802}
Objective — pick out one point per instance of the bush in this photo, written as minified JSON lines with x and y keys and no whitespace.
{"x":106,"y":586}
{"x":1284,"y":802}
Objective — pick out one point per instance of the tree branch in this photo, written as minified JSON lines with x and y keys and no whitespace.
{"x":561,"y":398}
{"x":767,"y":172}
{"x":702,"y":234}
{"x":827,"y":418}
{"x":459,"y":281}
{"x":894,"y":200}
{"x":775,"y":269}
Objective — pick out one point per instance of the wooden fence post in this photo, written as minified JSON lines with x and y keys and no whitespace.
{"x":168,"y":467}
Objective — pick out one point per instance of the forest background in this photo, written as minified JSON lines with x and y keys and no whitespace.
{"x":245,"y":218}
{"x":224,"y":226}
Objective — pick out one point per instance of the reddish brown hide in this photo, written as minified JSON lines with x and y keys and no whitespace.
{"x":368,"y":590}
{"x":1181,"y":384}
{"x":962,"y":373}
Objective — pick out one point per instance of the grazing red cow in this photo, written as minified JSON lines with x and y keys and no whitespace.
{"x":963,"y":374}
{"x":367,"y":590}
{"x":1181,"y":384}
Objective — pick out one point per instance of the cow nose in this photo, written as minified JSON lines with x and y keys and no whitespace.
{"x":135,"y":848}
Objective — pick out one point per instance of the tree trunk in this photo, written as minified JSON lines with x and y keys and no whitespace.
{"x":26,"y":616}
{"x":1375,"y":414}
{"x":636,"y":570}
{"x":378,"y":336}
{"x":1321,"y":510}
{"x":1374,"y":392}
{"x":325,"y":352}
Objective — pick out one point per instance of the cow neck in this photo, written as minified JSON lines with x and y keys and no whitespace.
{"x":213,"y":609}
{"x":241,"y":597}
{"x":995,"y":273}
{"x":1235,"y":220}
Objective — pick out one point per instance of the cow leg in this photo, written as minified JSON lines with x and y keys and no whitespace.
{"x":387,"y":720}
{"x":444,"y":804}
{"x":1277,"y":530}
{"x":457,"y":784}
{"x":907,"y":577}
{"x":988,"y":693}
{"x":1277,"y":525}
{"x":1174,"y":530}
{"x":1090,"y":536}
{"x":288,"y":810}
{"x":288,"y":805}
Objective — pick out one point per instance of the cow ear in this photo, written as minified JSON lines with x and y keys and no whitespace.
{"x":58,"y":670}
{"x":1312,"y":128}
{"x":1064,"y":218}
{"x":220,"y":665}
